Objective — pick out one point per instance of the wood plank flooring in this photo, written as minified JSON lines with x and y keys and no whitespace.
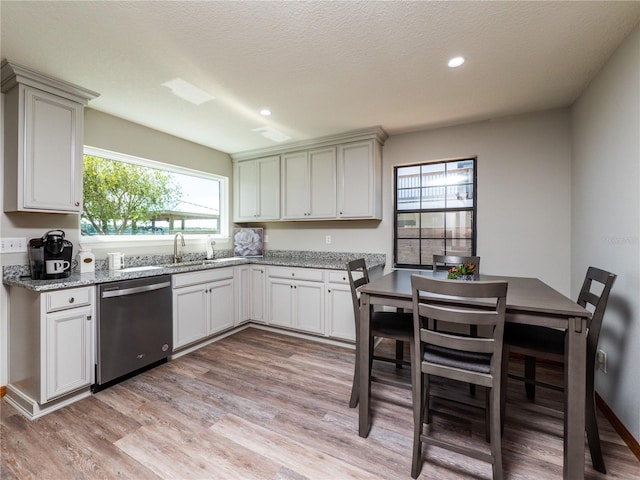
{"x":261,"y":405}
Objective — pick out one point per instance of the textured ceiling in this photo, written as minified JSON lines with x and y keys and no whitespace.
{"x":321,"y":67}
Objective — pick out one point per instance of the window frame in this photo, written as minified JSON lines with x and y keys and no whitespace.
{"x":141,"y":240}
{"x":473,"y":209}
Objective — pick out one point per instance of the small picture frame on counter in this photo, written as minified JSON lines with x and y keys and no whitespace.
{"x":248,"y":242}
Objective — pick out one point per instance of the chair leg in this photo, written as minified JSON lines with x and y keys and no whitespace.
{"x":417,"y":393}
{"x":530,"y":374}
{"x":503,"y":385}
{"x":399,"y":353}
{"x":473,"y":332}
{"x":593,"y":435}
{"x":355,"y":386}
{"x":496,"y":440}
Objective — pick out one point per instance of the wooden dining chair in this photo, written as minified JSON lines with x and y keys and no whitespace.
{"x":395,"y":325}
{"x":444,"y":262}
{"x":547,"y":343}
{"x":476,"y":360}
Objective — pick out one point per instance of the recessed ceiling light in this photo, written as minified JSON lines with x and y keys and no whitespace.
{"x":186,"y":91}
{"x":265,"y":112}
{"x":456,"y":62}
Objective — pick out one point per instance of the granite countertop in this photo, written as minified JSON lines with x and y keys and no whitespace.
{"x":324,"y":260}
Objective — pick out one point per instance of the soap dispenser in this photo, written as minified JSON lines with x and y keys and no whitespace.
{"x":209,"y":243}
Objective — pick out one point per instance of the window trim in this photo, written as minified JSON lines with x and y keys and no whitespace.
{"x":473,"y":209}
{"x":140,"y":240}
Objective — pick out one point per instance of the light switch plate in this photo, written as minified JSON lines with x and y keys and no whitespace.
{"x":13,"y":245}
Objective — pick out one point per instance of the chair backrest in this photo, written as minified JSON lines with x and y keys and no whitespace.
{"x":446,"y":261}
{"x":355,"y":282}
{"x":598,"y":301}
{"x":485,"y":306}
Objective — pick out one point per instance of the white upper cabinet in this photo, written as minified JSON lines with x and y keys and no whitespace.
{"x":43,"y":142}
{"x":256,"y":190}
{"x":331,"y":178}
{"x":309,"y":185}
{"x":360,"y":180}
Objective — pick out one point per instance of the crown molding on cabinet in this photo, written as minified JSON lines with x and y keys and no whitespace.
{"x":13,"y":74}
{"x":377,"y":133}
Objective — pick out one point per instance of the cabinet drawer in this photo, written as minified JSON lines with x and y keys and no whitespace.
{"x":296,"y":273}
{"x":341,"y":276}
{"x":70,"y":298}
{"x":185,"y":279}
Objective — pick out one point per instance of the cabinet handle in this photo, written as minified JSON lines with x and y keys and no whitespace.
{"x":88,"y":317}
{"x":77,"y":204}
{"x":71,"y":299}
{"x":293,"y":274}
{"x":329,"y":291}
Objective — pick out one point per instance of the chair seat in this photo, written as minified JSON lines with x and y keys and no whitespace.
{"x":473,"y":361}
{"x":393,"y":325}
{"x":543,"y":339}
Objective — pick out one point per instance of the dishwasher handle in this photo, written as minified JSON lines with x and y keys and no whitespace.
{"x":130,"y":291}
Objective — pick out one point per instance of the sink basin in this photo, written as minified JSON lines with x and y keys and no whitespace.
{"x":202,"y":262}
{"x":184,"y":264}
{"x":139,"y":269}
{"x":226,"y":259}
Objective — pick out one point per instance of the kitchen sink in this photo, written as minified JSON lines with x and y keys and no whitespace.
{"x":202,"y":262}
{"x":139,"y":269}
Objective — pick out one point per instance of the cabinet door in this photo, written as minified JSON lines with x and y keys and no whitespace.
{"x":295,"y":186}
{"x":269,"y":188}
{"x":221,"y":309}
{"x":68,"y":351}
{"x":359,"y":191}
{"x":309,"y":306}
{"x":245,"y":191}
{"x":322,"y":183}
{"x":243,"y":294}
{"x":52,"y":153}
{"x":280,"y":302}
{"x":257,"y":287}
{"x":190,"y":315}
{"x":340,"y":319}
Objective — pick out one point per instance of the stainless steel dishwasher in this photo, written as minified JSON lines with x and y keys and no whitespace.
{"x":134,"y":325}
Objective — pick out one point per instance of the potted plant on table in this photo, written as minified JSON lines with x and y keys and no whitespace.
{"x":465,"y":271}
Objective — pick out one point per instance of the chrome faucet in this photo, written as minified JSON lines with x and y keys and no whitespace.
{"x":176,"y":258}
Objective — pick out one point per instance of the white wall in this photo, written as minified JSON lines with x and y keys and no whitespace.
{"x":523,"y":196}
{"x":606,"y":217}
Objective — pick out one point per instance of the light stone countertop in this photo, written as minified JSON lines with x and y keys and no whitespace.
{"x":304,"y":259}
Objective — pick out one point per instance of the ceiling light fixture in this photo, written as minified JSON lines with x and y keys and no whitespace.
{"x":186,"y":91}
{"x":456,"y":62}
{"x":272,"y":134}
{"x":265,"y":112}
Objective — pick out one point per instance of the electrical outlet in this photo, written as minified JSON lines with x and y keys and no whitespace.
{"x":327,"y":239}
{"x":13,"y":245}
{"x":601,"y":358}
{"x":266,"y":238}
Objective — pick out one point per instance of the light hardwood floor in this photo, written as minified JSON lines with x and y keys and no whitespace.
{"x":263,"y":405}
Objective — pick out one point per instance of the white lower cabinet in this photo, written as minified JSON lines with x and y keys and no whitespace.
{"x":201,"y":304}
{"x":339,"y":307}
{"x":296,"y":298}
{"x":250,"y":284}
{"x":257,"y":278}
{"x":51,"y":348}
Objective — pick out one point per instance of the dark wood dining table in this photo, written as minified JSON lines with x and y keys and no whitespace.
{"x":529,"y":301}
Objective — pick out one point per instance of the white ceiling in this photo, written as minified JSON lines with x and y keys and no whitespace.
{"x":321,"y":67}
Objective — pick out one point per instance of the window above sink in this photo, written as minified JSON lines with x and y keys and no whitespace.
{"x":172,"y":199}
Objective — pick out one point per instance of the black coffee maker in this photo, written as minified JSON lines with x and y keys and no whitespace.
{"x":50,"y":256}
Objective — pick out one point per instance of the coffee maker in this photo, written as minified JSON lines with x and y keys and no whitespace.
{"x":50,"y":256}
